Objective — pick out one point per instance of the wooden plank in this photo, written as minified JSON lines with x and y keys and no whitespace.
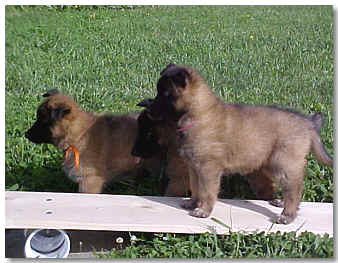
{"x":155,"y":214}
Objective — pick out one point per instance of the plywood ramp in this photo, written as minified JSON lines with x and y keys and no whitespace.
{"x":155,"y":214}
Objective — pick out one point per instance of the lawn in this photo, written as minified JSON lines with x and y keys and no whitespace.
{"x":109,"y":58}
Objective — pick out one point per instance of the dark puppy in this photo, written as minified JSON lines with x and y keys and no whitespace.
{"x":225,"y":138}
{"x":96,"y":147}
{"x":159,"y":138}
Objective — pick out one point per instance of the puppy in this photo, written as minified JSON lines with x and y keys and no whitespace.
{"x":96,"y":147}
{"x":159,"y":138}
{"x":224,"y":138}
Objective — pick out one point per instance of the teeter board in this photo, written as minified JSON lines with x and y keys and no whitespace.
{"x":32,"y":210}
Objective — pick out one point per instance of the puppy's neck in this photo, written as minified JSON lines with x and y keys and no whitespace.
{"x":202,"y":102}
{"x":184,"y":123}
{"x":78,"y":129}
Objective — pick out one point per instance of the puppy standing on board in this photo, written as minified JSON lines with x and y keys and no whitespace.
{"x":157,"y":136}
{"x":224,"y":138}
{"x":96,"y":147}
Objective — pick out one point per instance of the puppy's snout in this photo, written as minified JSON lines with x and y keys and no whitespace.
{"x":27,"y":135}
{"x":30,"y":136}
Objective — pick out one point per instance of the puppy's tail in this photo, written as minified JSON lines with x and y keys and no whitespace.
{"x":317,"y":120}
{"x":317,"y":147}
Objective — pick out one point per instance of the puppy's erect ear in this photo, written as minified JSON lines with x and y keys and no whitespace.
{"x":59,"y":112}
{"x":167,"y":67}
{"x":145,"y":103}
{"x":175,"y":74}
{"x":50,"y":93}
{"x":178,"y":76}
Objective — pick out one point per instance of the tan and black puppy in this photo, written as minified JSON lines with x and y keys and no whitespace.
{"x":225,"y":138}
{"x":159,"y":138}
{"x":97,"y":148}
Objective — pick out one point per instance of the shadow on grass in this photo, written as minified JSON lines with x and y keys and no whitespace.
{"x":50,"y":177}
{"x":47,"y":178}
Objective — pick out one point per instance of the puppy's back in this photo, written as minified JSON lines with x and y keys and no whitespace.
{"x":246,"y":136}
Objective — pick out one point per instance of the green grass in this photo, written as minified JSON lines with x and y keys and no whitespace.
{"x":234,"y":245}
{"x":109,"y":58}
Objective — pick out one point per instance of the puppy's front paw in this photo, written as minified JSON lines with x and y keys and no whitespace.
{"x":188,"y":204}
{"x":199,"y":212}
{"x":285,"y":220}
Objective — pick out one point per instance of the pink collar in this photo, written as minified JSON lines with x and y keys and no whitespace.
{"x":186,"y":127}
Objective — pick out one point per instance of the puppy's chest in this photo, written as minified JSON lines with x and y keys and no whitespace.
{"x":71,"y":171}
{"x":72,"y":162}
{"x":184,"y":144}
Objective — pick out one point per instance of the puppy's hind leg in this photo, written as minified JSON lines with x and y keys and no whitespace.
{"x":177,"y":186}
{"x":91,"y":184}
{"x":292,"y":187}
{"x":262,"y":183}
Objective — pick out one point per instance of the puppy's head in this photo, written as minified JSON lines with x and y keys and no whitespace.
{"x":146,"y":144}
{"x":173,"y":92}
{"x":52,"y":118}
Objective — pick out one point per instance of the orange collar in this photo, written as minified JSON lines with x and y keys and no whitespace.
{"x":73,"y":148}
{"x":76,"y":155}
